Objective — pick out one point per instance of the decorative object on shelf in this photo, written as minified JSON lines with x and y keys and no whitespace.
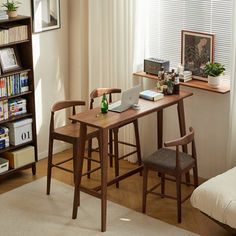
{"x":46,"y":15}
{"x":214,"y":72}
{"x":11,"y":7}
{"x":154,"y":65}
{"x":8,"y":60}
{"x":196,"y":50}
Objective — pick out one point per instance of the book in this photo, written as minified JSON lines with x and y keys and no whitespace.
{"x":151,"y":95}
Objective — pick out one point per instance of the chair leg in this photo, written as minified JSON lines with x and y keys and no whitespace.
{"x":90,"y":145}
{"x":178,"y":191}
{"x":110,"y":148}
{"x":75,"y":155}
{"x":137,"y":140}
{"x":116,"y":147}
{"x":78,"y":169}
{"x":49,"y":174}
{"x":145,"y":180}
{"x":195,"y":176}
{"x":162,"y":184}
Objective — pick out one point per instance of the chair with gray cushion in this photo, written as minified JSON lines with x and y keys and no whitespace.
{"x":174,"y":163}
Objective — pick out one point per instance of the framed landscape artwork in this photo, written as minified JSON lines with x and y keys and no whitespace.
{"x":196,"y":51}
{"x":46,"y":15}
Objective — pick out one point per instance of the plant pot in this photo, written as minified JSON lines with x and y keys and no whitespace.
{"x":213,"y":82}
{"x":12,"y":14}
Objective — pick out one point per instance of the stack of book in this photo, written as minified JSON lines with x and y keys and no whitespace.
{"x":3,"y":15}
{"x":3,"y":110}
{"x":4,"y":137}
{"x":17,"y":106}
{"x":186,"y":76}
{"x":14,"y":84}
{"x":151,"y":95}
{"x":13,"y":33}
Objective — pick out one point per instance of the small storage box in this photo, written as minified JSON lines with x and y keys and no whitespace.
{"x":4,"y":165}
{"x":20,"y":157}
{"x":20,"y":131}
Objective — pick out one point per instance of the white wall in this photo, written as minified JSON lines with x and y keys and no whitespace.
{"x":51,"y":61}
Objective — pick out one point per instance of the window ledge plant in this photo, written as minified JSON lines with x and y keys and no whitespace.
{"x":214,"y":71}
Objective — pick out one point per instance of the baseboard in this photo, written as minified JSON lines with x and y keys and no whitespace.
{"x":56,"y":149}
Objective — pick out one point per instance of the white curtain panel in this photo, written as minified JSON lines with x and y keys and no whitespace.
{"x":231,"y":157}
{"x":111,"y":50}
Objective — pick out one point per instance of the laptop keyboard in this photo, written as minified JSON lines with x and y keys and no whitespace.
{"x":115,"y":106}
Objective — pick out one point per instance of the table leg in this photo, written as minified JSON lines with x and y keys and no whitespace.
{"x":104,"y":156}
{"x":182,"y":127}
{"x":160,"y":129}
{"x":78,"y":162}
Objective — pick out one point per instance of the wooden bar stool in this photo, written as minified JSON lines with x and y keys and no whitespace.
{"x":115,"y":153}
{"x":68,"y":133}
{"x":174,"y":163}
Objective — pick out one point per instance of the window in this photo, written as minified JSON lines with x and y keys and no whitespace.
{"x":166,"y":18}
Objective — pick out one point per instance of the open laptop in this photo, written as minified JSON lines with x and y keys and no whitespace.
{"x":129,"y":98}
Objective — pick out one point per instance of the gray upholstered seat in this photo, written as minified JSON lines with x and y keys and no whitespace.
{"x":166,"y":158}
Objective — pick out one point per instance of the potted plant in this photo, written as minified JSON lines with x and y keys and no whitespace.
{"x":11,"y":7}
{"x":214,"y":71}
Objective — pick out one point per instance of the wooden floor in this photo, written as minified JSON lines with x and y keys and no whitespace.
{"x":129,"y":194}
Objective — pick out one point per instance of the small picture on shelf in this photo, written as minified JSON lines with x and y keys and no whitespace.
{"x":8,"y":59}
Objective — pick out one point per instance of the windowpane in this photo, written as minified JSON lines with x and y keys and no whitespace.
{"x":166,"y":19}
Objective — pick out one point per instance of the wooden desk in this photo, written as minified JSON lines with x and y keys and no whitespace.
{"x":108,"y":121}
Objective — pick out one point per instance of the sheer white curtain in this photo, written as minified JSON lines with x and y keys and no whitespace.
{"x":110,"y":43}
{"x":231,"y":160}
{"x":110,"y":48}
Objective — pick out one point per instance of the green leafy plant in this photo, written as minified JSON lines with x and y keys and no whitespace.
{"x":214,"y":69}
{"x":11,"y":5}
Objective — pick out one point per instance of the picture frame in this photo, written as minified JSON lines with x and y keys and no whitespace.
{"x":196,"y":50}
{"x":45,"y":15}
{"x":8,"y":59}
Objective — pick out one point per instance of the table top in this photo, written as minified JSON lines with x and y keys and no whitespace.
{"x":111,"y":119}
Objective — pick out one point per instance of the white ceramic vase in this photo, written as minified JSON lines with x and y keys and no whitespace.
{"x":213,"y":82}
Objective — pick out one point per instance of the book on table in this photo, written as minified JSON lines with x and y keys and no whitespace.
{"x":151,"y":95}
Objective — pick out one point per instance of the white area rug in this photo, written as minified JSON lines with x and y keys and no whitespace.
{"x":29,"y":211}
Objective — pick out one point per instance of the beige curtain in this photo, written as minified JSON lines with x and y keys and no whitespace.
{"x":110,"y":48}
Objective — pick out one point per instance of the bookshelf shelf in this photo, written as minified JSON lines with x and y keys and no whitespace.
{"x":15,"y":118}
{"x":15,"y":96}
{"x":17,"y":91}
{"x":11,"y":147}
{"x":14,"y":43}
{"x":14,"y":72}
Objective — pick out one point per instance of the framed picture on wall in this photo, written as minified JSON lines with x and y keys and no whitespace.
{"x":46,"y":15}
{"x":196,"y":50}
{"x":8,"y":60}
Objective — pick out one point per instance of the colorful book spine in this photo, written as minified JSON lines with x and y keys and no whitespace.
{"x":14,"y":84}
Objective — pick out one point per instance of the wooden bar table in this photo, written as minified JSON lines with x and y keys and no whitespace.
{"x":105,"y":122}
